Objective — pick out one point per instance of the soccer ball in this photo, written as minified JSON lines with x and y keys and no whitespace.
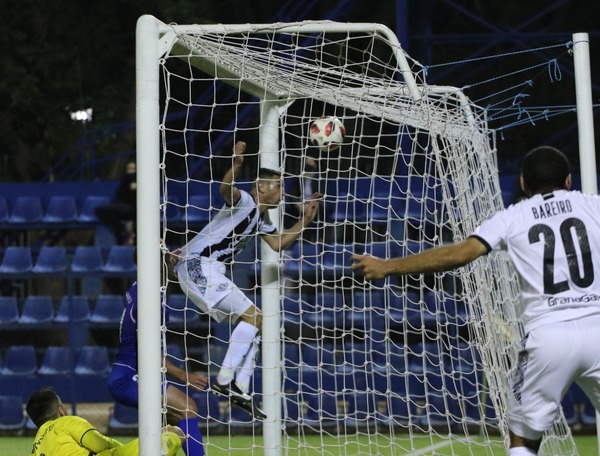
{"x":327,"y":133}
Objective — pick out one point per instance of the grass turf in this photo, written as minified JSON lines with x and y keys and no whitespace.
{"x":315,"y":445}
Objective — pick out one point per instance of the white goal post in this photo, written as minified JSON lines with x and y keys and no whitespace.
{"x":408,"y":365}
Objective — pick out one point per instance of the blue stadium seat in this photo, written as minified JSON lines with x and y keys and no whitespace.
{"x":336,"y":261}
{"x":325,"y":312}
{"x":26,"y":209}
{"x":9,"y":310}
{"x":321,"y":409}
{"x":88,"y":210}
{"x":317,"y":356}
{"x":121,"y":259}
{"x":4,"y":214}
{"x":123,"y":418}
{"x":175,"y":354}
{"x":378,"y":210}
{"x":37,"y":310}
{"x":355,"y":355}
{"x":57,"y":361}
{"x":361,"y":409}
{"x":51,"y":260}
{"x":182,"y":310}
{"x":12,"y":417}
{"x":291,"y":311}
{"x":198,"y":209}
{"x":20,"y":360}
{"x":302,"y":261}
{"x":93,"y":360}
{"x":74,"y":308}
{"x":108,"y":309}
{"x":389,"y":358}
{"x":347,"y":208}
{"x":172,"y":209}
{"x":61,"y":209}
{"x":291,"y":355}
{"x":87,"y":259}
{"x":16,"y":260}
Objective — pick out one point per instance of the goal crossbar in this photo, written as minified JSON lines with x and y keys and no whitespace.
{"x":414,"y":122}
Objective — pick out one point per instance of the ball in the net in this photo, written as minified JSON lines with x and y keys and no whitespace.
{"x":327,"y":133}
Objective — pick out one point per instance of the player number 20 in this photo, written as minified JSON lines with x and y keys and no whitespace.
{"x":576,"y":254}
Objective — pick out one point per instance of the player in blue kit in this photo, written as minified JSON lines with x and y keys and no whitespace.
{"x":553,"y":240}
{"x":123,"y":385}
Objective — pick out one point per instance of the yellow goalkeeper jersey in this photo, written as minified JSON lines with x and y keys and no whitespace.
{"x":75,"y":436}
{"x":70,"y":435}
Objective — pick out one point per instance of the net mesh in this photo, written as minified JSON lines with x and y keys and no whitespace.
{"x":407,"y":365}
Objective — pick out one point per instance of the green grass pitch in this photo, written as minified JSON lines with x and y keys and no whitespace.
{"x":330,"y":446}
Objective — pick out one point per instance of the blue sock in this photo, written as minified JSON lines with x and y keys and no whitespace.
{"x":193,"y":444}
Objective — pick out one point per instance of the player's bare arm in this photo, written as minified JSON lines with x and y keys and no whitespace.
{"x":441,"y":258}
{"x":230,"y":193}
{"x":195,"y":379}
{"x":280,"y":241}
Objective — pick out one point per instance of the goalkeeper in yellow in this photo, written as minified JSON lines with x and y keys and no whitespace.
{"x":59,"y":434}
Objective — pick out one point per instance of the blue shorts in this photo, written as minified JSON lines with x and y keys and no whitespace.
{"x":123,"y":385}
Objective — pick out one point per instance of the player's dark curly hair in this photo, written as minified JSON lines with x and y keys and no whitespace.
{"x":43,"y":406}
{"x":267,"y":173}
{"x":544,"y":169}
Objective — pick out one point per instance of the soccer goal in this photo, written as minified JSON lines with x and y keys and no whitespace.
{"x":412,"y":365}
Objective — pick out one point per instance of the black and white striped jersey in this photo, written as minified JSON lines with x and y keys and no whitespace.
{"x":229,"y":231}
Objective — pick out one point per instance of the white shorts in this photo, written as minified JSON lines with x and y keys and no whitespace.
{"x":555,"y":355}
{"x":205,"y":283}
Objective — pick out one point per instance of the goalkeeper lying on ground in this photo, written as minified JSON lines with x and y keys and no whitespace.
{"x":59,"y":434}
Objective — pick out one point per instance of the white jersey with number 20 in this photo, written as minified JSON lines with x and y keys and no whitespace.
{"x":554,"y":243}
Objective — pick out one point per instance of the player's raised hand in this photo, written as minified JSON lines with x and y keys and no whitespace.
{"x":239,"y":149}
{"x":311,"y":208}
{"x":372,"y":267}
{"x":197,"y":380}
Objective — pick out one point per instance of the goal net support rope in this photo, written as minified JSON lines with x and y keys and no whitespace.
{"x":406,"y":365}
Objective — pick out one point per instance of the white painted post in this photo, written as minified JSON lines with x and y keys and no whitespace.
{"x":585,"y":127}
{"x":271,"y":348}
{"x":148,"y":235}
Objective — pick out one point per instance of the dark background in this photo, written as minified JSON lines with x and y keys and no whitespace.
{"x":60,"y":55}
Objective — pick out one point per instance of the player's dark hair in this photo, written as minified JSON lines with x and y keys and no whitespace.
{"x":544,"y":169}
{"x":43,"y":406}
{"x":266,"y":173}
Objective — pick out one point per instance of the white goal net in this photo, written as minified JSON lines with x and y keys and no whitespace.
{"x":412,"y":365}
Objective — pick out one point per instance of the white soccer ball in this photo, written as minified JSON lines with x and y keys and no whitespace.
{"x":327,"y":133}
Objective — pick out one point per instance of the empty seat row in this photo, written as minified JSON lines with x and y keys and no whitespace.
{"x":40,"y":310}
{"x":89,"y":360}
{"x":60,"y":209}
{"x":65,"y":210}
{"x":86,"y":259}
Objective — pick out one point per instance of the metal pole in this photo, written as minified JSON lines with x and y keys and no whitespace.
{"x":148,"y":235}
{"x":271,"y":343}
{"x":585,"y":127}
{"x":585,"y":115}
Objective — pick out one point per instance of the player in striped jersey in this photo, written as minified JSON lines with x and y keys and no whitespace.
{"x":553,"y":239}
{"x":201,"y":265}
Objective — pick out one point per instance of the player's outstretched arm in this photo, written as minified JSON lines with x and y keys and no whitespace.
{"x":279,"y":241}
{"x":230,"y":193}
{"x":441,"y":258}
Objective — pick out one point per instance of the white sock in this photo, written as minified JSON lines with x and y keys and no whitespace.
{"x":241,"y":339}
{"x":521,"y":451}
{"x":244,"y":373}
